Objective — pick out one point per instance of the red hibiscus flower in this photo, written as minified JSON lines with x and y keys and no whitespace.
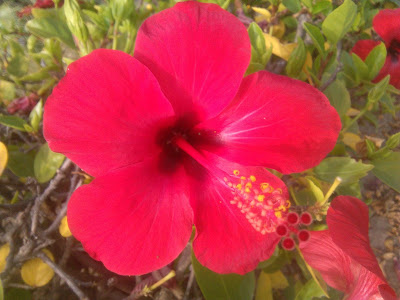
{"x":174,"y":136}
{"x":387,"y":24}
{"x":343,"y":255}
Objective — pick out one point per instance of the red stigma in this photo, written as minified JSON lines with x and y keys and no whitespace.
{"x":282,"y":230}
{"x":288,"y":244}
{"x":303,"y":235}
{"x":306,"y":218}
{"x":293,"y":218}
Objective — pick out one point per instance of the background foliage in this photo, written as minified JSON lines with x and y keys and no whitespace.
{"x":310,"y":40}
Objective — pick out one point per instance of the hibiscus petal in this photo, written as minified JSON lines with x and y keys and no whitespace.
{"x":234,"y":226}
{"x":338,"y":269}
{"x":363,"y":47}
{"x":135,"y":220}
{"x":199,"y":54}
{"x":278,"y":122}
{"x":348,"y":216}
{"x":387,"y":24}
{"x":103,"y":113}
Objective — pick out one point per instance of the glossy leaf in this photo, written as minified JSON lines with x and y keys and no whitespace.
{"x":51,"y":26}
{"x":293,"y":5}
{"x":1,"y":290}
{"x":14,"y":122}
{"x":64,"y":228}
{"x":264,"y":287}
{"x":346,"y":168}
{"x":339,"y":21}
{"x":36,"y":115}
{"x":3,"y":157}
{"x":310,"y":290}
{"x":223,"y":286}
{"x":315,"y":34}
{"x":46,"y":163}
{"x":297,"y":59}
{"x":375,"y":60}
{"x":35,"y":272}
{"x":20,"y":162}
{"x":377,"y":92}
{"x":387,"y":169}
{"x":339,"y":97}
{"x":4,"y":251}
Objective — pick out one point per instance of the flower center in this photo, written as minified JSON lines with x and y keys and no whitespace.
{"x":394,"y":50}
{"x":183,"y":129}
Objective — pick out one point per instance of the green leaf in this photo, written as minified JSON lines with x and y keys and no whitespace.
{"x":51,"y":26}
{"x":259,"y":53}
{"x":36,"y":115}
{"x":315,"y":191}
{"x":19,"y":162}
{"x":318,"y":39}
{"x":264,"y":287}
{"x":339,"y":21}
{"x":339,"y":97}
{"x":346,"y":168}
{"x":387,"y":169}
{"x":310,"y":290}
{"x":223,"y":286}
{"x":361,"y":67}
{"x":321,"y":6}
{"x":13,"y":122}
{"x":393,"y":141}
{"x":349,"y":190}
{"x":292,"y":5}
{"x":375,"y":60}
{"x":1,"y":290}
{"x":18,"y":294}
{"x":7,"y":91}
{"x":377,"y":92}
{"x":297,"y":59}
{"x":75,"y":22}
{"x":277,"y":260}
{"x":46,"y":163}
{"x":18,"y":65}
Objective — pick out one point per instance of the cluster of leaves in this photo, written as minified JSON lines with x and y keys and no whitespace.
{"x":304,"y":39}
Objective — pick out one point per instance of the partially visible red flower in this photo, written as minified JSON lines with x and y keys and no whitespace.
{"x":175,"y":136}
{"x":343,"y":255}
{"x":387,"y":24}
{"x":23,"y":105}
{"x":27,"y":10}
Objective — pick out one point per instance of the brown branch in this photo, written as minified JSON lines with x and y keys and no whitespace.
{"x":50,"y":188}
{"x":68,"y":280}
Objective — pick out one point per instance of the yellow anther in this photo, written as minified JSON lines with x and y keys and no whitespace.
{"x":252,"y":178}
{"x":264,"y":185}
{"x":239,"y":186}
{"x":236,"y":172}
{"x":288,"y":204}
{"x":243,"y":178}
{"x":260,"y":198}
{"x":247,"y":190}
{"x":249,"y":185}
{"x":278,"y":214}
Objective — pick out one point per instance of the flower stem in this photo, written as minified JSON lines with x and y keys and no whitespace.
{"x":115,"y":37}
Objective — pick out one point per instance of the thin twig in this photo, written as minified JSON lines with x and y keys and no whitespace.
{"x":68,"y":280}
{"x":50,"y":188}
{"x":63,"y":209}
{"x":189,"y":284}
